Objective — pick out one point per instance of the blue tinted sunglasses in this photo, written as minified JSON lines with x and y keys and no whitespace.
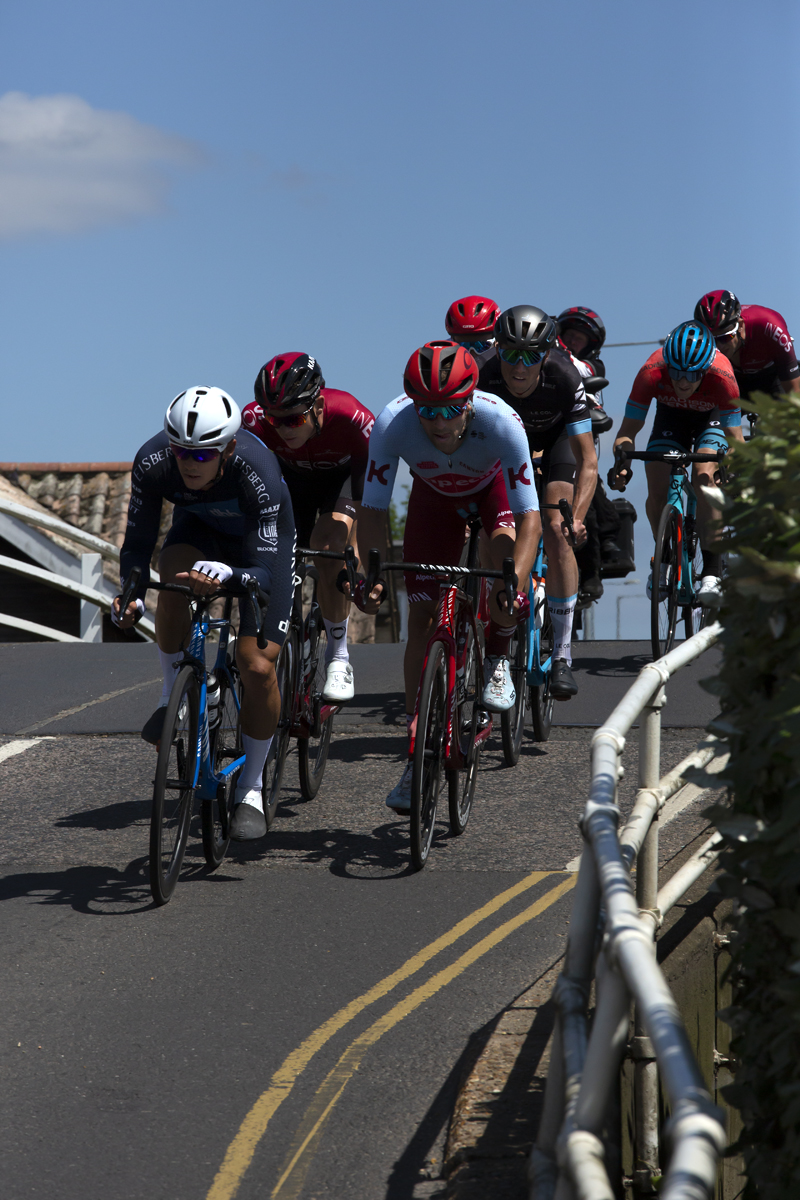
{"x":476,"y":347}
{"x":431,"y":411}
{"x":198,"y":455}
{"x":692,"y":376}
{"x":528,"y":358}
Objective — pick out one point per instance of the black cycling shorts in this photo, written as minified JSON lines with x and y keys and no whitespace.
{"x":557,"y":463}
{"x":686,"y":429}
{"x":189,"y":530}
{"x":315,"y":493}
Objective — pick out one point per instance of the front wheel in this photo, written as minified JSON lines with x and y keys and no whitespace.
{"x":512,"y":722}
{"x":664,"y":597}
{"x":226,"y":747}
{"x":272,"y":777}
{"x":428,"y":763}
{"x":695,"y":617}
{"x":461,"y":783}
{"x":173,"y":789}
{"x":312,"y":751}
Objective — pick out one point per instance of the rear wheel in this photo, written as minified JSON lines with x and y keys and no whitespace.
{"x":226,"y":747}
{"x":694,"y":616}
{"x":664,"y":598}
{"x":312,"y":751}
{"x":272,"y":778}
{"x":512,"y":722}
{"x":428,"y":764}
{"x":542,"y":702}
{"x":461,"y":784}
{"x":173,"y":790}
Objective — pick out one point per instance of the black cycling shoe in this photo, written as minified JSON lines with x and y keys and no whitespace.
{"x":247,"y":823}
{"x":562,"y":685}
{"x":154,"y":725}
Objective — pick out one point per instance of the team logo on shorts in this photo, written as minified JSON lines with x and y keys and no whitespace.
{"x":268,"y":529}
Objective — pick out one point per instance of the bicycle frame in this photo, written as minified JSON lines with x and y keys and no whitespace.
{"x":680,"y":486}
{"x":206,"y":780}
{"x":537,"y":670}
{"x":307,"y":720}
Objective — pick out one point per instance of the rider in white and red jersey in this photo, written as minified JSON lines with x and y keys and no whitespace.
{"x":320,"y":437}
{"x":755,"y":341}
{"x":468,"y":453}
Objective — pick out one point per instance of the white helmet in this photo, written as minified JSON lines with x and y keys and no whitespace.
{"x":202,"y":417}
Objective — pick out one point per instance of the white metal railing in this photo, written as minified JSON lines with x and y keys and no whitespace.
{"x":612,"y":938}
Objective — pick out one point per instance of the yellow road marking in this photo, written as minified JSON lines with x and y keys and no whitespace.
{"x":240,"y":1153}
{"x":303,"y":1148}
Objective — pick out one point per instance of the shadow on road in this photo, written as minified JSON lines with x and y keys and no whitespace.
{"x":111,"y":816}
{"x":616,"y":668}
{"x":97,"y":891}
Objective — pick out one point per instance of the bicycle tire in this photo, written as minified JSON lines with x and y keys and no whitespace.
{"x":428,"y":763}
{"x":272,"y":778}
{"x":664,"y":612}
{"x":512,"y":722}
{"x":541,"y":702}
{"x":461,"y":783}
{"x":312,"y":751}
{"x":694,"y":616}
{"x":173,"y":790}
{"x":226,"y":747}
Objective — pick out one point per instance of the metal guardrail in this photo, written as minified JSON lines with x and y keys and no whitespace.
{"x":612,"y":940}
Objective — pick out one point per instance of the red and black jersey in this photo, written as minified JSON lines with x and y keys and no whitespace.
{"x":341,"y":442}
{"x":767,"y":345}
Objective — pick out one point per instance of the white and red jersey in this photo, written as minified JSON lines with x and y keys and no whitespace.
{"x":494,"y":441}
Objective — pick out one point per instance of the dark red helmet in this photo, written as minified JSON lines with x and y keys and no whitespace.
{"x":468,"y":317}
{"x":440,"y":373}
{"x":586,"y":321}
{"x":289,"y":380}
{"x":719,"y":311}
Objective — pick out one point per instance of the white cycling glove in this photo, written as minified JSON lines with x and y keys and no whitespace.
{"x":215,"y":570}
{"x":117,"y":617}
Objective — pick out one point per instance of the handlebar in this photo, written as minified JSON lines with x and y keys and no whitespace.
{"x":673,"y":458}
{"x":258,"y":598}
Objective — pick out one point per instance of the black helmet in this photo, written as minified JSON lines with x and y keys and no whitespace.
{"x":586,"y":321}
{"x":525,"y":327}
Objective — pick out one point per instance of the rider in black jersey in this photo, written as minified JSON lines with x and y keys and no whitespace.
{"x":232,"y":522}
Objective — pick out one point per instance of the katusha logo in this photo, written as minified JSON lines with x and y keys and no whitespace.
{"x":427,"y":466}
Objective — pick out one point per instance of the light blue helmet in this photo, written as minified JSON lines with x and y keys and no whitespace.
{"x":690,"y":347}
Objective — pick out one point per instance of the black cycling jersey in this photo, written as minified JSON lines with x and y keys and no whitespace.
{"x":248,"y":507}
{"x":557,"y":403}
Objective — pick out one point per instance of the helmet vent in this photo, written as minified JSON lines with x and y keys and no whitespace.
{"x":228,"y":409}
{"x":191,"y":421}
{"x":209,"y":437}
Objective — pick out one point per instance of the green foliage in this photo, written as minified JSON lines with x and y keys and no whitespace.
{"x":759,"y":688}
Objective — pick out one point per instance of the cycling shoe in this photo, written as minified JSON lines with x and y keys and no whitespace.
{"x":709,"y":594}
{"x":399,"y":797}
{"x":339,"y":685}
{"x":562,"y":684}
{"x":248,"y":821}
{"x":151,"y":731}
{"x":499,"y":695}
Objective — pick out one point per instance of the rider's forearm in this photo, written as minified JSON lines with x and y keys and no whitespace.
{"x":585,"y":474}
{"x":628,"y":430}
{"x":528,"y":531}
{"x":734,"y":433}
{"x":371,"y":533}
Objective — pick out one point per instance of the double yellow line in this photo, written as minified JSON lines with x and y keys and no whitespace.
{"x":243,"y":1147}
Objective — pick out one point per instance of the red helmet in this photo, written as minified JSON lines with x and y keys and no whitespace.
{"x":468,"y":317}
{"x":719,"y":311}
{"x":289,"y":380}
{"x":440,"y":373}
{"x":588,"y":322}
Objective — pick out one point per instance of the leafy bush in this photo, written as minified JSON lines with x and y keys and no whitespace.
{"x":759,"y":689}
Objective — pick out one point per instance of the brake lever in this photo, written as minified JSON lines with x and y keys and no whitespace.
{"x":621,"y":462}
{"x":260,"y":603}
{"x":350,"y":567}
{"x":510,"y":582}
{"x":373,"y":571}
{"x":565,"y":508}
{"x":131,"y":584}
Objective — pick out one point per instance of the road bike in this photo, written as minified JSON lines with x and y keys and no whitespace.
{"x":450,"y":727}
{"x":200,"y":751}
{"x":677,"y":547}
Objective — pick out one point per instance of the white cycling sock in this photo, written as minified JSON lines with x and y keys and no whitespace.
{"x":168,"y":662}
{"x":256,"y":752}
{"x":562,"y":610}
{"x":337,"y":640}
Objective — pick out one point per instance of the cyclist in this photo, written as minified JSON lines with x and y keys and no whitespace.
{"x":467,"y":453}
{"x":320,"y":436}
{"x":697,"y":404}
{"x":543,"y":386}
{"x":470,"y":322}
{"x":232,"y":522}
{"x":755,"y":341}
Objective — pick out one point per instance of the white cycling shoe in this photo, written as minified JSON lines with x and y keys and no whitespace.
{"x":399,"y":797}
{"x":709,"y":594}
{"x":339,"y":685}
{"x":499,"y":693}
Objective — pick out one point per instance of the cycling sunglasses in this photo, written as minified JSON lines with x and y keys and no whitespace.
{"x":431,"y":411}
{"x":292,"y":422}
{"x":725,"y":337}
{"x":477,"y":347}
{"x":528,"y":358}
{"x":692,"y":376}
{"x":207,"y":455}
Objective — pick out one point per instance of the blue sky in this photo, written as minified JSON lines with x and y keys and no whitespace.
{"x":187,"y":189}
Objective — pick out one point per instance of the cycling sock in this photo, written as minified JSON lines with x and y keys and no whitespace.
{"x":712,"y":564}
{"x":337,"y":640}
{"x":256,"y":751}
{"x":168,"y":662}
{"x":497,"y":639}
{"x":562,"y":610}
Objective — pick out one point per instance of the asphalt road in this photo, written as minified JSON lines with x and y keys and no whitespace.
{"x":195,"y":1050}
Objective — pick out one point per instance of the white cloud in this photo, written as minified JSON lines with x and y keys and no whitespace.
{"x":67,"y":167}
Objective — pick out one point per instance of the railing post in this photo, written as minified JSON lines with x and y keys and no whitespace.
{"x":91,"y":615}
{"x":645,"y":1072}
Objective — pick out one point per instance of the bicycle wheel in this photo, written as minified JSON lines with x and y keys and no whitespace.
{"x":542,"y":703}
{"x":276,"y":759}
{"x":512,"y":722}
{"x":664,"y":600}
{"x":428,"y":763}
{"x":461,"y":784}
{"x":173,"y":789}
{"x":226,"y":747}
{"x":694,"y":616}
{"x":312,"y":751}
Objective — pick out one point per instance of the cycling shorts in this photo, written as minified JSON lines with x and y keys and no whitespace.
{"x":189,"y":530}
{"x":315,"y":493}
{"x":436,"y":526}
{"x":685,"y":429}
{"x":558,"y":461}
